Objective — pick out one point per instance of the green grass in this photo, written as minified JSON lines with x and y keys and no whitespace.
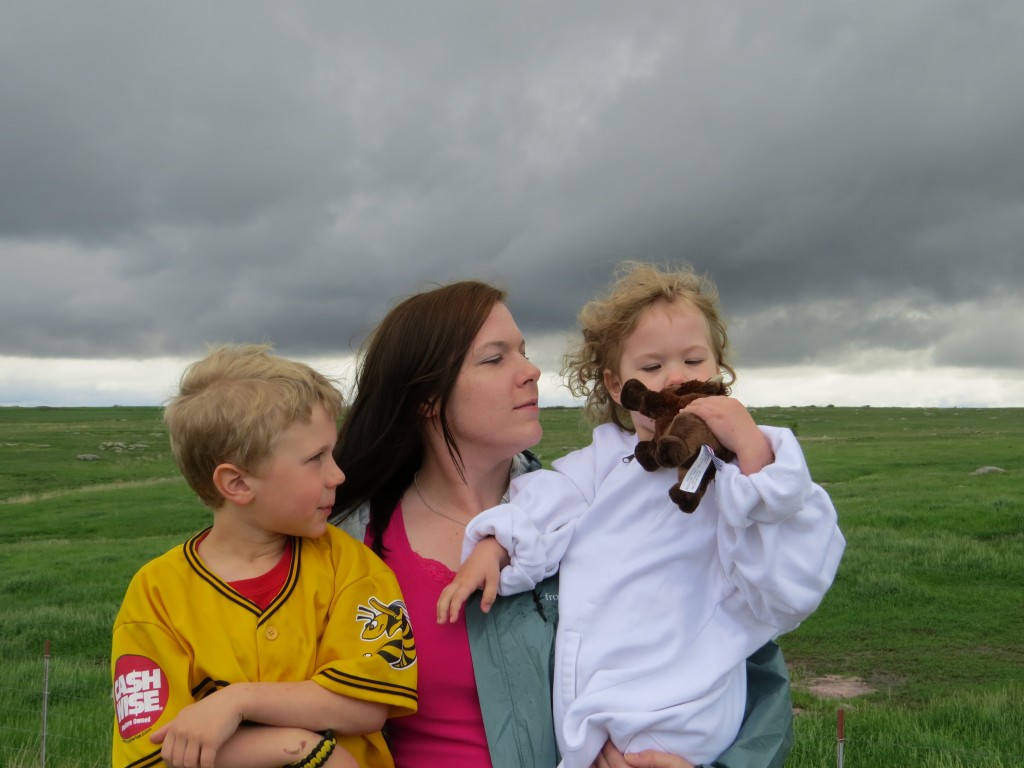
{"x":927,"y":607}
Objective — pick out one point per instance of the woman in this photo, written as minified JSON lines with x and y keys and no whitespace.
{"x":446,"y":406}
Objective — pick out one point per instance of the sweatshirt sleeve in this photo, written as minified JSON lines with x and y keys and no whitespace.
{"x":535,"y":527}
{"x":779,"y":537}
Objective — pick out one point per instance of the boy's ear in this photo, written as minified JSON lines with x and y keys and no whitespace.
{"x":613,"y":384}
{"x":233,"y":484}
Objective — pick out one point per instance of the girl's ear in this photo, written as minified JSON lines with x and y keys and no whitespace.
{"x":613,"y":384}
{"x":233,"y":484}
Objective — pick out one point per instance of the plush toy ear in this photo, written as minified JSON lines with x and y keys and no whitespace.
{"x":631,"y":396}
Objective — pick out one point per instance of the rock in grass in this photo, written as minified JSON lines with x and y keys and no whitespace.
{"x":987,"y":470}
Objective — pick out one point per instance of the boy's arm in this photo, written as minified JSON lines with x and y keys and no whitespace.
{"x":201,"y":729}
{"x":481,"y":570}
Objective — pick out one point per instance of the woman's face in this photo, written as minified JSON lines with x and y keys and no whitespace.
{"x":493,"y":409}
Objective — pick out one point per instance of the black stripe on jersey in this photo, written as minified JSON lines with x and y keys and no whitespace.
{"x":368,"y":684}
{"x":290,"y":583}
{"x":206,"y":686}
{"x":191,"y":551}
{"x":146,"y":761}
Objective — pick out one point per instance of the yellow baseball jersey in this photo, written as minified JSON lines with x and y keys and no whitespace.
{"x":182,"y":634}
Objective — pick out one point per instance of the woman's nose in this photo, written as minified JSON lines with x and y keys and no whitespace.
{"x":532,"y":372}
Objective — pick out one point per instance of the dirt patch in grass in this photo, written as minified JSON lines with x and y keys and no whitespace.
{"x":30,"y":497}
{"x":836,"y":687}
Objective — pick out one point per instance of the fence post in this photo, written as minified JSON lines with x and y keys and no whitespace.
{"x":46,"y":697}
{"x":840,"y":739}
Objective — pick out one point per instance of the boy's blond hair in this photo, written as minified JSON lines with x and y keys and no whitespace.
{"x":233,"y":404}
{"x":607,"y":321}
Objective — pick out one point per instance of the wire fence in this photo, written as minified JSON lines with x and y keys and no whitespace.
{"x":72,"y":731}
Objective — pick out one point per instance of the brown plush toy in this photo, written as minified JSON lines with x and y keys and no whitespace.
{"x":678,"y":437}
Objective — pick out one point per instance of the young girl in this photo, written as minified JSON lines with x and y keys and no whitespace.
{"x":658,"y":609}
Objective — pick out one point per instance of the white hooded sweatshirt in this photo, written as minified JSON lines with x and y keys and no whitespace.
{"x":659,"y":609}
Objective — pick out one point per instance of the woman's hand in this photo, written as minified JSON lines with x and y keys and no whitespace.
{"x":610,"y":757}
{"x":732,"y":424}
{"x":482,"y":570}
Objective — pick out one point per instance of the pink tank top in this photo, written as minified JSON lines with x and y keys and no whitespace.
{"x":448,"y":728}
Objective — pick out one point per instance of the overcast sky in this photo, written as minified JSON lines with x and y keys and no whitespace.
{"x":851,"y":174}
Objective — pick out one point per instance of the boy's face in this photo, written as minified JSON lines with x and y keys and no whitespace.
{"x":294,"y":488}
{"x":669,"y":345}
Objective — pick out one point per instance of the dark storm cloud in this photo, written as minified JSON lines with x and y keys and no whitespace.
{"x":175,"y":174}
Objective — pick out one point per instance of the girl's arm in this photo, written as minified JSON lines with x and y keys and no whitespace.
{"x":481,"y":570}
{"x":778,"y":533}
{"x":535,"y":528}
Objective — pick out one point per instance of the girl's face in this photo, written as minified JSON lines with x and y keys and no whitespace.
{"x":669,"y":345}
{"x":493,"y":410}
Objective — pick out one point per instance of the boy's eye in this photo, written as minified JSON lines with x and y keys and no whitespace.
{"x":694,"y":362}
{"x":650,"y":367}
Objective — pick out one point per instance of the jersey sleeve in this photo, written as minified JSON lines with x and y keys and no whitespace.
{"x":368,"y":650}
{"x":150,"y":672}
{"x":779,"y":537}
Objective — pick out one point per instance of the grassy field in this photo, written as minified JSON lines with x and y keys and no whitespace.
{"x":927,"y":609}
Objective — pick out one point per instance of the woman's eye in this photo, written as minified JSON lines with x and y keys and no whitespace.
{"x":492,"y":360}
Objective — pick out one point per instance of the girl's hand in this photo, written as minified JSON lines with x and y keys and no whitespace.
{"x":610,"y":757}
{"x":482,"y":570}
{"x":730,"y":421}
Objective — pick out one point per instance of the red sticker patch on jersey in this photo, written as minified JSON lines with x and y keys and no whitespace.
{"x":140,"y":694}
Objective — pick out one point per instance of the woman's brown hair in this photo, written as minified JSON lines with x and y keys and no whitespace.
{"x":407,"y":367}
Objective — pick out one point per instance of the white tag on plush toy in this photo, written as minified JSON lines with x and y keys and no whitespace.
{"x":691,"y":481}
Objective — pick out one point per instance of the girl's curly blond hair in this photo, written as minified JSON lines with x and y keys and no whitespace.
{"x":608,"y":320}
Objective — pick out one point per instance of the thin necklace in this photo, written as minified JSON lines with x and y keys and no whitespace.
{"x":416,"y":482}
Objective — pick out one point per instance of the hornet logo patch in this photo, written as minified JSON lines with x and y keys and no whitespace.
{"x":389,"y":623}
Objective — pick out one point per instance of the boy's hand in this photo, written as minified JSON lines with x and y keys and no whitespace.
{"x":732,"y":424}
{"x":193,"y":737}
{"x":482,"y":570}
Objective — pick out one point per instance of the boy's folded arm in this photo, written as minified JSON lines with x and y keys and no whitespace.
{"x":306,"y":704}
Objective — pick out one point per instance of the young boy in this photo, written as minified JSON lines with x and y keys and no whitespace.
{"x":658,"y":610}
{"x":270,"y":638}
